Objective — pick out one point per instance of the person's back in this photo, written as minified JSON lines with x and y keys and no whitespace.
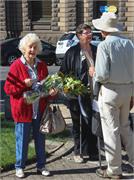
{"x":120,"y":52}
{"x":114,"y":70}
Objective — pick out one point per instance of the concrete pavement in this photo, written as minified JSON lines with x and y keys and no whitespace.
{"x":60,"y":162}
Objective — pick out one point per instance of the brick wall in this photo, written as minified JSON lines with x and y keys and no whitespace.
{"x":65,"y":17}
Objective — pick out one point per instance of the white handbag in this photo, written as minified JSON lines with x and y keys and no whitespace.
{"x":52,"y":121}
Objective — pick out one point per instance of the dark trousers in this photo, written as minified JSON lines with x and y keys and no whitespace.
{"x":88,"y":140}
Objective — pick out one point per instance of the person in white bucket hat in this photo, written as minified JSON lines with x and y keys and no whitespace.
{"x":114,"y":70}
{"x":108,"y":22}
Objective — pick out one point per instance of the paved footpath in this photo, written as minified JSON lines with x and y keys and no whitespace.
{"x":61,"y":164}
{"x":61,"y":169}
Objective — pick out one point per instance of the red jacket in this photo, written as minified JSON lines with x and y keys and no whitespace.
{"x":15,"y":87}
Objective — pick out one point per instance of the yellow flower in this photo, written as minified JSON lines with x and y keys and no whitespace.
{"x":65,"y":90}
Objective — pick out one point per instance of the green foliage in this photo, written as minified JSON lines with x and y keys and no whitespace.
{"x":2,"y":115}
{"x":7,"y":146}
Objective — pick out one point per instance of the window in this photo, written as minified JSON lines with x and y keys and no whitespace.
{"x":41,"y":10}
{"x":79,"y":12}
{"x":98,"y":4}
{"x":96,"y":7}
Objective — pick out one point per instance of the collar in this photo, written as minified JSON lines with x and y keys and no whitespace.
{"x":114,"y":34}
{"x":23,"y":60}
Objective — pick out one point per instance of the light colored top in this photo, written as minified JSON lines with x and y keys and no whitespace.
{"x":115,"y":60}
{"x":33,"y":75}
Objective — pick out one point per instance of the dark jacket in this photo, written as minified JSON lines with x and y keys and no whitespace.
{"x":71,"y":62}
{"x":71,"y":65}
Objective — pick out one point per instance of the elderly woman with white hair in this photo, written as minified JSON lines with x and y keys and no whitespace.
{"x":24,"y":74}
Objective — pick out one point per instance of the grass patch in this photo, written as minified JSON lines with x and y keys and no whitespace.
{"x":7,"y":145}
{"x":2,"y":115}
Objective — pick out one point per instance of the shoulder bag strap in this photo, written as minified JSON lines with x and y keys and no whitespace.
{"x":90,"y":62}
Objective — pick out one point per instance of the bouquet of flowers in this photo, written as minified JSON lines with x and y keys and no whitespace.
{"x":42,"y":88}
{"x":67,"y":84}
{"x":31,"y":96}
{"x":52,"y":81}
{"x":73,"y":87}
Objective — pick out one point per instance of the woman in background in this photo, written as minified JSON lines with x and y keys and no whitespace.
{"x":76,"y":62}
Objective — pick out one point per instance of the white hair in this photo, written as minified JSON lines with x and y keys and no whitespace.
{"x":28,"y":39}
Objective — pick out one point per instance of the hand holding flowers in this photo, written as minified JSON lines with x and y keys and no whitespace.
{"x":73,"y":86}
{"x":68,"y":85}
{"x":48,"y":86}
{"x":53,"y":91}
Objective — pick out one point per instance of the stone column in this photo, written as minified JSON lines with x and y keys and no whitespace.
{"x":67,"y":15}
{"x":25,"y":17}
{"x":130,"y":15}
{"x":3,"y":32}
{"x":88,"y":11}
{"x":121,"y":13}
{"x":55,"y":18}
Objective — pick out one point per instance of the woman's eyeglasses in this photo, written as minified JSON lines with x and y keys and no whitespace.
{"x":87,"y":33}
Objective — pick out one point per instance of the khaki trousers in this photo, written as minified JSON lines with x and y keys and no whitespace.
{"x":114,"y":103}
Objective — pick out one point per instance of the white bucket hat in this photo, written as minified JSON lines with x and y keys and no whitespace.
{"x":107,"y":22}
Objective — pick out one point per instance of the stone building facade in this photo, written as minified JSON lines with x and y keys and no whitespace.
{"x":50,"y":18}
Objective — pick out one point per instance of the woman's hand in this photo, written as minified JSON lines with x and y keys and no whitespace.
{"x":28,"y":82}
{"x":91,"y":71}
{"x":53,"y":92}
